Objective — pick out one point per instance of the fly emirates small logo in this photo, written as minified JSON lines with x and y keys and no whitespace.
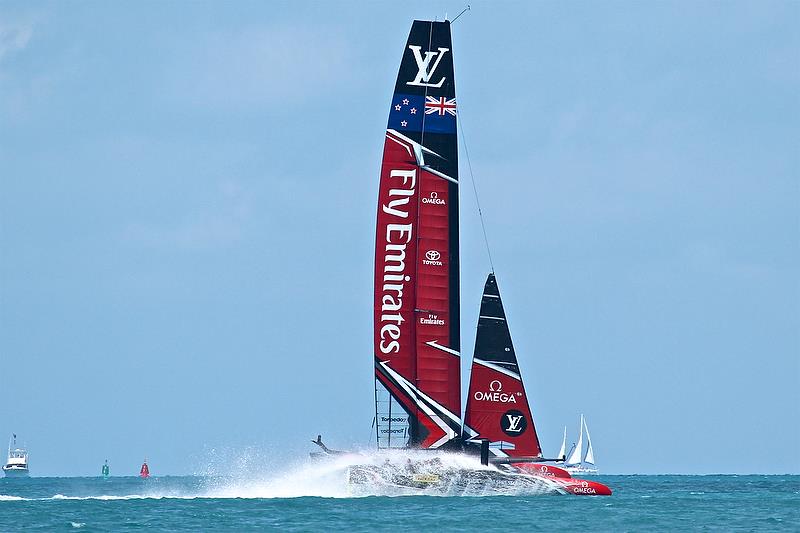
{"x":496,"y":394}
{"x":398,"y":235}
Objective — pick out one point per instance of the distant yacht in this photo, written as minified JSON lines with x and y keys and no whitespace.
{"x":576,"y":462}
{"x":105,"y":470}
{"x":17,"y":463}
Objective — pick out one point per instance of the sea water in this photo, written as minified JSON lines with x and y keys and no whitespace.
{"x":313,"y":499}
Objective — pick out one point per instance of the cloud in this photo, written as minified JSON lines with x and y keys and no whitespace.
{"x":14,"y":38}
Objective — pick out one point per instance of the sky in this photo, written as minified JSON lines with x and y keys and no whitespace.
{"x":187,"y":210}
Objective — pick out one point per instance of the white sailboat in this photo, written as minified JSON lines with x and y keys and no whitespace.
{"x":577,"y":462}
{"x":17,"y":463}
{"x":562,"y":452}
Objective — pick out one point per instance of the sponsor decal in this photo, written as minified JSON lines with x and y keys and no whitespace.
{"x":513,"y":423}
{"x":424,"y":68}
{"x":432,"y":257}
{"x":398,"y":236}
{"x":431,"y":320}
{"x":583,"y":489}
{"x":434,"y":199}
{"x":393,"y":431}
{"x":544,"y":471}
{"x":496,"y":394}
{"x":393,"y":419}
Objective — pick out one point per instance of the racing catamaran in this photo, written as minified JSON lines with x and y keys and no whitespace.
{"x":417,"y":309}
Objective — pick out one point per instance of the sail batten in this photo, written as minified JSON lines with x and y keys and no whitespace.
{"x":417,"y":331}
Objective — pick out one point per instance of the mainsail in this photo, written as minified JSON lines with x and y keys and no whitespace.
{"x":589,"y":452}
{"x":563,"y":450}
{"x":575,"y":457}
{"x":497,"y":406}
{"x":417,"y":347}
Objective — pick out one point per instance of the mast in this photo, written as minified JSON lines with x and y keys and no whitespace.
{"x":589,"y":458}
{"x":416,"y":300}
{"x":497,"y":406}
{"x":575,"y":456}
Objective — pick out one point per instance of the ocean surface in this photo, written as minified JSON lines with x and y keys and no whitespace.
{"x":309,"y":503}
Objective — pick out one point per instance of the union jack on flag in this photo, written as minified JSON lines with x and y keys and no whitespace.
{"x":440,"y":105}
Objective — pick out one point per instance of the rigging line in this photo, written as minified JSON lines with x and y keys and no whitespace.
{"x":373,"y":426}
{"x":462,"y":12}
{"x":377,"y":430}
{"x":474,"y":187}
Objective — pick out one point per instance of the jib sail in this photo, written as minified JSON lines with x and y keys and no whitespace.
{"x":417,"y":377}
{"x":497,"y":406}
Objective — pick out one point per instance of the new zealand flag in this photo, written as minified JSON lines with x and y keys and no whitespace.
{"x":411,"y":112}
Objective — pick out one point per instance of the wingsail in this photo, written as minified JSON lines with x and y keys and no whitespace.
{"x":417,"y":347}
{"x":497,"y":406}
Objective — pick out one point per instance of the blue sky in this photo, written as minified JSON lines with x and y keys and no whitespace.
{"x":187,"y":206}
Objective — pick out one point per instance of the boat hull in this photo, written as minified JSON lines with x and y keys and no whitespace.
{"x":581,"y":470}
{"x":542,"y":470}
{"x":433,"y":477}
{"x":368,"y":479}
{"x":583,"y":487}
{"x":16,"y":472}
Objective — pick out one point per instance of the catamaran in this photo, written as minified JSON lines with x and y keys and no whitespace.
{"x":417,"y":312}
{"x":17,"y":462}
{"x":577,"y":462}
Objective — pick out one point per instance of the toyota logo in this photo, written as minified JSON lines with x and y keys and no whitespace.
{"x":432,"y":255}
